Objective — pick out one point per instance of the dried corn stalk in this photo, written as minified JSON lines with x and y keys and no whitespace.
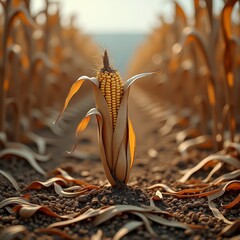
{"x":115,"y":130}
{"x":38,"y":53}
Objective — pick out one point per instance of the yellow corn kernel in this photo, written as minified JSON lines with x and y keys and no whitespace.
{"x":110,"y":84}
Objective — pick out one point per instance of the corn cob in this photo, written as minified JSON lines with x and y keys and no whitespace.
{"x":111,"y":86}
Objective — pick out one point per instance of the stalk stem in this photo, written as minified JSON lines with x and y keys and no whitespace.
{"x":3,"y":67}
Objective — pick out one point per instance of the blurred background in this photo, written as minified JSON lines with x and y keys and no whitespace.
{"x":184,"y":40}
{"x":119,"y":25}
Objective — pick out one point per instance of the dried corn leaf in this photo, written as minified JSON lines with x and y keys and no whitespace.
{"x":69,"y":178}
{"x":232,"y":146}
{"x":165,"y":222}
{"x":13,"y":232}
{"x":22,"y":154}
{"x":202,"y":142}
{"x":191,"y":35}
{"x":88,"y":214}
{"x":98,"y":235}
{"x":201,"y":194}
{"x":128,"y":227}
{"x":121,"y":162}
{"x":40,"y":142}
{"x":169,"y":125}
{"x":226,"y":18}
{"x":214,"y":170}
{"x":26,"y":196}
{"x":194,"y":36}
{"x":20,"y":146}
{"x":157,"y":210}
{"x":232,"y":185}
{"x":233,"y":203}
{"x":73,"y":188}
{"x":188,"y":133}
{"x":112,"y":211}
{"x":13,"y":200}
{"x":55,"y":232}
{"x":131,"y":80}
{"x":23,"y":14}
{"x":104,"y":133}
{"x":58,"y":189}
{"x":48,"y":183}
{"x":180,"y":14}
{"x":214,"y":157}
{"x":227,"y":176}
{"x":161,"y":185}
{"x":10,"y":178}
{"x":132,"y":142}
{"x":105,"y":213}
{"x":74,"y":89}
{"x":229,"y":230}
{"x":26,"y":211}
{"x":81,"y":127}
{"x":146,"y":223}
{"x":104,"y":149}
{"x":185,"y":193}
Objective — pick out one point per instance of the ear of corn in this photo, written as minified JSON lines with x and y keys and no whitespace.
{"x":110,"y":84}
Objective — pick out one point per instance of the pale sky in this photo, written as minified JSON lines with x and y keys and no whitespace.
{"x":117,"y":16}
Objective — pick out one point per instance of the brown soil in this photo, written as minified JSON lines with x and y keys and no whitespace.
{"x":157,"y":161}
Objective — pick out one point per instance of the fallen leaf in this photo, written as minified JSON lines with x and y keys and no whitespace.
{"x":88,"y":214}
{"x":22,"y":154}
{"x":27,"y":210}
{"x":229,"y":230}
{"x":40,"y":142}
{"x":48,"y":183}
{"x":98,"y":235}
{"x":13,"y":232}
{"x":232,"y":185}
{"x":233,"y":203}
{"x":188,"y":133}
{"x":67,"y":177}
{"x":58,"y":189}
{"x":166,"y":222}
{"x":20,"y":146}
{"x":128,"y":227}
{"x":227,"y":176}
{"x":11,"y":179}
{"x":201,"y":142}
{"x":13,"y":200}
{"x":146,"y":222}
{"x":55,"y":232}
{"x":214,"y":170}
{"x":145,"y":213}
{"x":214,"y":157}
{"x":112,"y":211}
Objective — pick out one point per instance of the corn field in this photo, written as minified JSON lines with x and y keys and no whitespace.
{"x":186,"y":186}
